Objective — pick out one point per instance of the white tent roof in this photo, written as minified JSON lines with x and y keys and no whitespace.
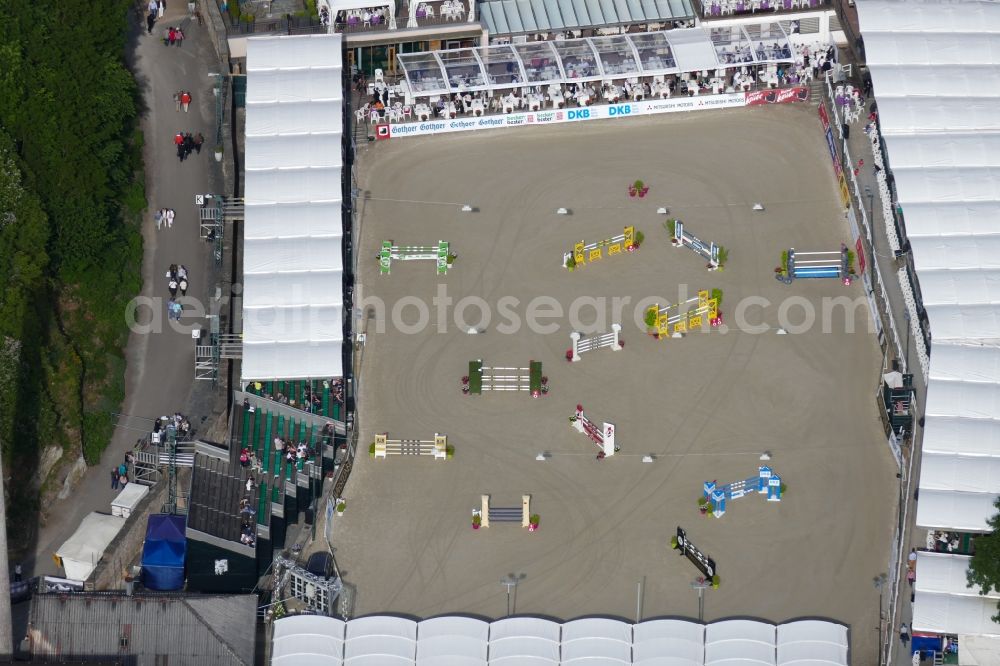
{"x":739,"y":643}
{"x":668,"y":643}
{"x":452,"y":640}
{"x":308,"y":640}
{"x":82,"y":551}
{"x":812,"y":643}
{"x":293,"y":236}
{"x":588,"y":639}
{"x":379,"y":640}
{"x":463,"y":641}
{"x":945,"y":604}
{"x":935,"y":68}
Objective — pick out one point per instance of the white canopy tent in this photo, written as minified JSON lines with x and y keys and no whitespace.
{"x":293,"y":235}
{"x":932,"y":67}
{"x":527,"y":641}
{"x":82,"y":551}
{"x":944,"y":601}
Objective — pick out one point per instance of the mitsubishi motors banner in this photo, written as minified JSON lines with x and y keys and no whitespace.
{"x":777,"y":96}
{"x":554,"y":116}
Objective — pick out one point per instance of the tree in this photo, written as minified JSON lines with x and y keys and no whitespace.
{"x":984,"y":569}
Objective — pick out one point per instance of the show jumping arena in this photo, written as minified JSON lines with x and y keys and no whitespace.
{"x":704,"y":406}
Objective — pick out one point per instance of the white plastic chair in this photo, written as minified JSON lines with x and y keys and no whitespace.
{"x":379,"y":76}
{"x":407,"y":112}
{"x":360,"y":114}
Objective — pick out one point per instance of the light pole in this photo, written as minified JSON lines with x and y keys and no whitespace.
{"x":879,"y":582}
{"x":510,"y":582}
{"x":701,"y":584}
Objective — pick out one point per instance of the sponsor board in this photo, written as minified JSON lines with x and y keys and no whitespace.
{"x":626,"y":110}
{"x":859,"y":247}
{"x":777,"y":96}
{"x":382,"y":131}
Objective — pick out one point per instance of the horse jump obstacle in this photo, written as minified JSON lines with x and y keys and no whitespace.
{"x":437,"y":447}
{"x":603,"y":437}
{"x":683,"y":238}
{"x":482,"y":378}
{"x":802,"y":265}
{"x":766,"y":481}
{"x":672,"y":321}
{"x":584,"y":252}
{"x":389,"y":252}
{"x":582,"y":345}
{"x":510,"y":514}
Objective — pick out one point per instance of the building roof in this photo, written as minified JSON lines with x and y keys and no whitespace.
{"x":517,"y":17}
{"x":308,"y":640}
{"x":195,"y":629}
{"x":932,"y":67}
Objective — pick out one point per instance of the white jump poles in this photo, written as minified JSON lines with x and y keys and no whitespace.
{"x":437,"y":253}
{"x":582,"y":344}
{"x":603,"y":437}
{"x":437,"y":447}
{"x":683,"y":238}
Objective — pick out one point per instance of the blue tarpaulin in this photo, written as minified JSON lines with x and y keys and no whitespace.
{"x":163,"y":553}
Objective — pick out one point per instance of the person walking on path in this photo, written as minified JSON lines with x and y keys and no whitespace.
{"x":904,"y":634}
{"x":114,"y":478}
{"x":179,"y":36}
{"x":163,"y":7}
{"x":183,"y":284}
{"x":177,"y":101}
{"x":150,"y":22}
{"x":199,"y":139}
{"x":185,"y":100}
{"x":158,"y":218}
{"x":169,"y":214}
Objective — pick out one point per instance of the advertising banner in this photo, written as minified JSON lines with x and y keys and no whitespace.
{"x":778,"y":96}
{"x":553,"y":116}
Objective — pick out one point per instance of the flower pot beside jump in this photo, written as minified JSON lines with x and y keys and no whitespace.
{"x":477,"y":521}
{"x":218,"y":154}
{"x":341,"y":505}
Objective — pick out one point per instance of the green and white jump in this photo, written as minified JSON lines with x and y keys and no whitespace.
{"x":438,"y":253}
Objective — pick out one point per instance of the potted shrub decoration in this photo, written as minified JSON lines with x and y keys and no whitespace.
{"x":477,"y":520}
{"x":218,"y":153}
{"x":341,"y":505}
{"x":533,"y":522}
{"x":637,"y":241}
{"x":452,"y":258}
{"x":715,"y":582}
{"x":371,"y":450}
{"x":465,"y":385}
{"x":673,"y":542}
{"x":570,"y":262}
{"x":671,"y":227}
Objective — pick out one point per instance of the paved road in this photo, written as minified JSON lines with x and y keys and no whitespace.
{"x":160,"y":368}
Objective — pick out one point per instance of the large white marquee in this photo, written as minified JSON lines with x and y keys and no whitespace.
{"x":293,"y":234}
{"x":309,"y":640}
{"x":931,"y":65}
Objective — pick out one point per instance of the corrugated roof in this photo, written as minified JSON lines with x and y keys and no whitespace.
{"x":190,"y":630}
{"x":515,"y":17}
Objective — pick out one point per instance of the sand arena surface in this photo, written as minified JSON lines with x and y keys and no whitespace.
{"x":705,"y":406}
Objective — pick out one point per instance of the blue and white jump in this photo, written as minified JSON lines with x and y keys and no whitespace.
{"x":766,"y":481}
{"x":683,"y":238}
{"x":817,"y":265}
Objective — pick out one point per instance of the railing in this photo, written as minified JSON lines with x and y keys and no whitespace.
{"x":296,"y":25}
{"x":720,"y":9}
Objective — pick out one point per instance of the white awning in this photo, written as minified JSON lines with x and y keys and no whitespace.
{"x":293,"y":234}
{"x":740,"y":643}
{"x":812,"y":643}
{"x":935,"y":70}
{"x":943,"y":601}
{"x":308,"y":640}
